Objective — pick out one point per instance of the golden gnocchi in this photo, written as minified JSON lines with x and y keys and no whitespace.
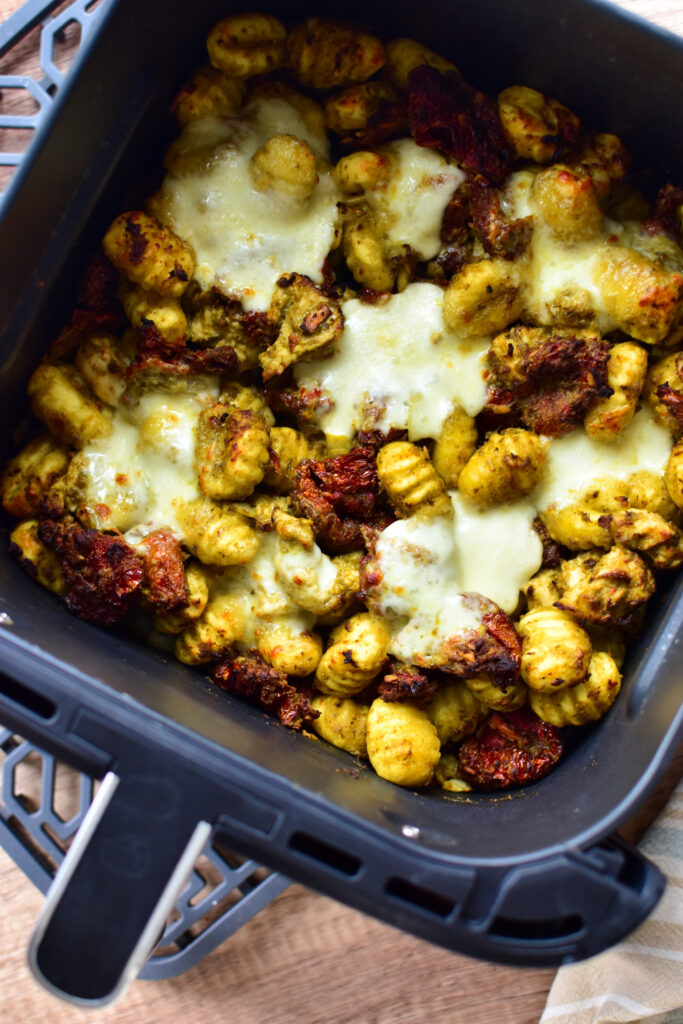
{"x":386,"y":438}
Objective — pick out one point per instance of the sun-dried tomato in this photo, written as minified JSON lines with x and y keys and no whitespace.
{"x":447,"y":114}
{"x":339,"y":495}
{"x":103,"y":573}
{"x":510,"y":749}
{"x":97,"y":306}
{"x":165,"y":581}
{"x":499,"y":236}
{"x":552,"y":383}
{"x":666,"y":216}
{"x":406,"y":682}
{"x":553,"y":553}
{"x":494,"y":649}
{"x":251,"y":678}
{"x":156,"y":354}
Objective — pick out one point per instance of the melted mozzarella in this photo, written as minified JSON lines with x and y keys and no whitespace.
{"x":497,"y":550}
{"x":412,"y":203}
{"x":558,"y":270}
{"x":429,"y":566}
{"x":263,"y":600}
{"x":574,"y":462}
{"x":243,"y":238}
{"x":397,"y":366}
{"x":137,"y":478}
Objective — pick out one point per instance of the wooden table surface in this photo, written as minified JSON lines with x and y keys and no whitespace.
{"x":305,"y":958}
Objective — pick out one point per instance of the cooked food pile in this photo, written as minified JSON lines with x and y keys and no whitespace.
{"x":374,"y":410}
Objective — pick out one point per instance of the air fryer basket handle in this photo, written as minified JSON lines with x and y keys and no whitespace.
{"x":119,"y":881}
{"x":564,"y":908}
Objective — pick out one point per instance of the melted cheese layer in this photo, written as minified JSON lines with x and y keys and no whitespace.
{"x":145,"y":470}
{"x":411,"y":205}
{"x":397,"y":366}
{"x":243,"y":238}
{"x":428,"y":567}
{"x":575,"y":461}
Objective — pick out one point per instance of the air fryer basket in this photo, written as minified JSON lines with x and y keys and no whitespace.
{"x":530,"y":877}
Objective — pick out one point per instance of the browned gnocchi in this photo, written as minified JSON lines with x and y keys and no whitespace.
{"x":389,"y":425}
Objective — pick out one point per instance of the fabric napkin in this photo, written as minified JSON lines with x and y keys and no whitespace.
{"x":641,"y":979}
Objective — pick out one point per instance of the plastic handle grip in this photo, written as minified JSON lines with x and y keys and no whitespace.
{"x":564,"y":908}
{"x":115,"y":888}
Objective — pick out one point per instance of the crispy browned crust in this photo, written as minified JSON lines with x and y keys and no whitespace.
{"x":165,"y":584}
{"x":339,"y":495}
{"x":447,"y":114}
{"x":249,"y":677}
{"x":500,"y":237}
{"x":510,"y":749}
{"x":103,"y":573}
{"x":155,"y":355}
{"x":97,"y":306}
{"x":406,"y":682}
{"x":673,"y":400}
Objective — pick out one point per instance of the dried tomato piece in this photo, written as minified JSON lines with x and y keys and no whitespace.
{"x":553,"y":553}
{"x":494,"y":649}
{"x":666,"y":216}
{"x":406,"y":682}
{"x":446,"y":113}
{"x":165,"y":581}
{"x":500,"y":237}
{"x":155,"y":354}
{"x":339,"y":495}
{"x":510,"y":749}
{"x":97,"y":306}
{"x":251,"y":678}
{"x":103,"y":573}
{"x":550,"y":377}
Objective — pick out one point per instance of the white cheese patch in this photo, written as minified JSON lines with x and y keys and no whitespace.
{"x":145,"y":470}
{"x":575,"y":461}
{"x":243,"y":238}
{"x":557,"y":269}
{"x":264,"y":602}
{"x":497,"y":550}
{"x":397,"y":366}
{"x":412,"y":203}
{"x":429,"y":565}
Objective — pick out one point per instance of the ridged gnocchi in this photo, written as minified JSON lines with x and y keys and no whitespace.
{"x":377,"y":425}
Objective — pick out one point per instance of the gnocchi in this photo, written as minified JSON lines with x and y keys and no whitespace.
{"x":388,"y":438}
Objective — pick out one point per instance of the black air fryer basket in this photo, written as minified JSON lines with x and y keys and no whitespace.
{"x":532,"y":877}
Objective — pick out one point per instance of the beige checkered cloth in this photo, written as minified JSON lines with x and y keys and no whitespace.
{"x":641,"y":979}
